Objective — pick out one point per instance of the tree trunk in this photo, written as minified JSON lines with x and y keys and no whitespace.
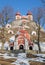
{"x":3,"y":37}
{"x":39,"y":38}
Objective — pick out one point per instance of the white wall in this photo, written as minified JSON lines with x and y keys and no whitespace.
{"x":0,"y":45}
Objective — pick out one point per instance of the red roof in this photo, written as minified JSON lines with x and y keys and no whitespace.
{"x":21,"y":39}
{"x":26,"y":35}
{"x":17,"y":13}
{"x":23,"y":31}
{"x":29,"y":13}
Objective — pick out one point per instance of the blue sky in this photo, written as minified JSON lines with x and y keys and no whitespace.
{"x":21,"y":5}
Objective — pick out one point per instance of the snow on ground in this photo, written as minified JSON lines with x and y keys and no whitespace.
{"x":7,"y":56}
{"x":6,"y":45}
{"x":40,"y":55}
{"x":21,"y":62}
{"x":38,"y":59}
{"x":21,"y":59}
{"x":35,"y":47}
{"x":42,"y":46}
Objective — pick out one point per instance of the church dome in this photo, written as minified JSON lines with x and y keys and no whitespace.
{"x":17,"y":13}
{"x":29,"y":13}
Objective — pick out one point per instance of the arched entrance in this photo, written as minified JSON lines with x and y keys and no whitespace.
{"x":11,"y":48}
{"x":21,"y":47}
{"x":11,"y":45}
{"x":30,"y":48}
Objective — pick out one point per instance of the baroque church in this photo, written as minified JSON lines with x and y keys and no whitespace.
{"x":24,"y":30}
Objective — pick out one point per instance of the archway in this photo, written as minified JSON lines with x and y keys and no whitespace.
{"x":21,"y":47}
{"x":30,"y":48}
{"x":11,"y":48}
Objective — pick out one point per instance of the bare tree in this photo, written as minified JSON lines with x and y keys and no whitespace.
{"x":6,"y":16}
{"x":38,"y":18}
{"x":1,"y":16}
{"x":43,"y":2}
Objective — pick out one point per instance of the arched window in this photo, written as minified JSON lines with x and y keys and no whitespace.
{"x":10,"y":32}
{"x":8,"y":26}
{"x":33,"y":33}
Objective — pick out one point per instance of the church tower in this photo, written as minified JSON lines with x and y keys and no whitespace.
{"x":30,"y":16}
{"x":18,"y":16}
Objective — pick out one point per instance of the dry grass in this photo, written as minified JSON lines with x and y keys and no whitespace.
{"x":4,"y":61}
{"x":31,"y":56}
{"x":36,"y":63}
